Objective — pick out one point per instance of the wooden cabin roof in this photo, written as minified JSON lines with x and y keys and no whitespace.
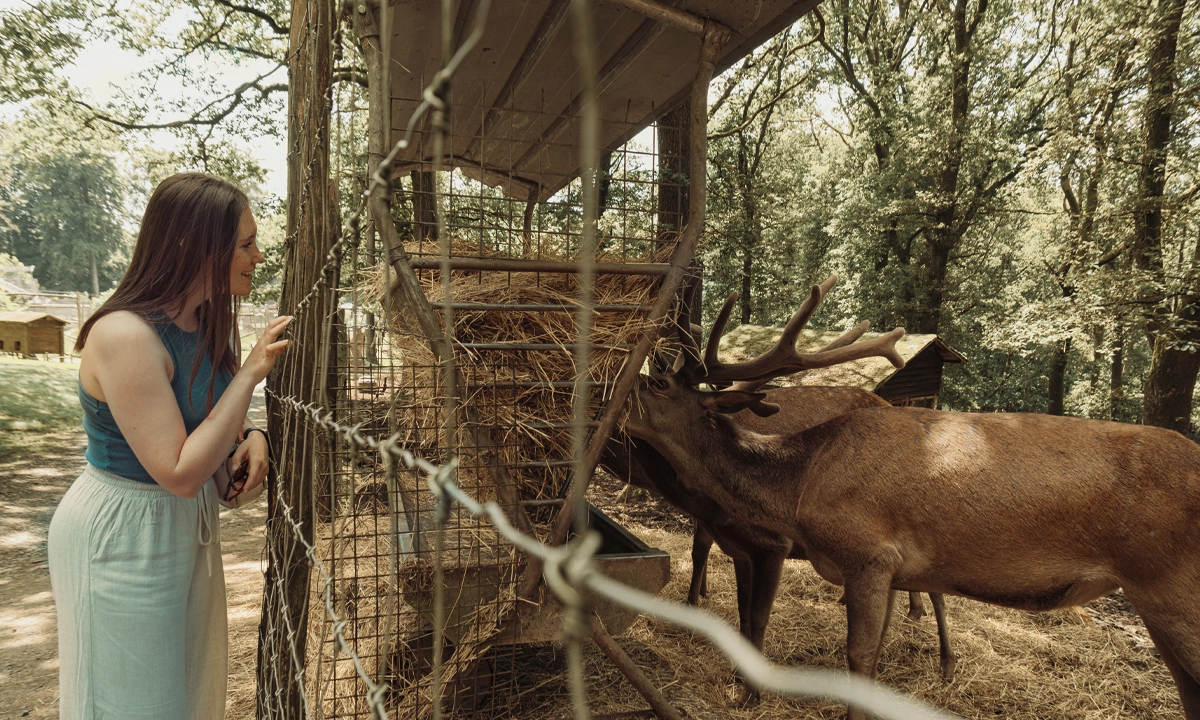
{"x":28,"y":317}
{"x":519,"y":87}
{"x":746,"y":341}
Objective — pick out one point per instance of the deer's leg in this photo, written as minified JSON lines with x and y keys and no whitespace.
{"x":767,"y":567}
{"x":701,"y":546}
{"x":1184,"y":676}
{"x":869,"y":600}
{"x":916,"y":608}
{"x":949,"y":659}
{"x":1172,"y":621}
{"x":743,"y":571}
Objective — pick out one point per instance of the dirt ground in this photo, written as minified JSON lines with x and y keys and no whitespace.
{"x":1011,"y":664}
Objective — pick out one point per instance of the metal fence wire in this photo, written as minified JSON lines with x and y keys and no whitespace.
{"x":433,"y":417}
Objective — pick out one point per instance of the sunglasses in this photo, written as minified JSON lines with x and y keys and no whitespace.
{"x":237,"y":480}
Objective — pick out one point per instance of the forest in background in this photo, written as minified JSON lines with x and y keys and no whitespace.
{"x":1018,"y":177}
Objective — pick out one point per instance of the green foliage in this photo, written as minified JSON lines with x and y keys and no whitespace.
{"x":268,"y":277}
{"x":65,"y":204}
{"x":35,"y":42}
{"x":194,"y":44}
{"x":967,"y":168}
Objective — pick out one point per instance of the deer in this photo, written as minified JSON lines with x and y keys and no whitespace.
{"x":758,"y":554}
{"x":1028,"y":511}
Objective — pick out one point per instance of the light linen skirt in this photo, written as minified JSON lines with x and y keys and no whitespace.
{"x":140,"y":593}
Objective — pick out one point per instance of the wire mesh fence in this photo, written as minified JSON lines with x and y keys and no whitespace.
{"x":433,"y":414}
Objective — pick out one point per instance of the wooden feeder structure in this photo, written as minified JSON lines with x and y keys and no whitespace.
{"x":917,"y":384}
{"x":495,"y":177}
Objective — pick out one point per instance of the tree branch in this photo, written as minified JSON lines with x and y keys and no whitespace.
{"x":351,"y":75}
{"x":265,"y":17}
{"x":198,"y":118}
{"x":847,"y":65}
{"x":769,"y":105}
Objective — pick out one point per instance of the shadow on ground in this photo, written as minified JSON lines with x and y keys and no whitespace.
{"x":35,"y":472}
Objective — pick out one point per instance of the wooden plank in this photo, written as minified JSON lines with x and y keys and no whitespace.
{"x":546,"y":266}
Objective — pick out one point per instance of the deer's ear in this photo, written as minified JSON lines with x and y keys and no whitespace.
{"x":764,"y":409}
{"x":732,"y":401}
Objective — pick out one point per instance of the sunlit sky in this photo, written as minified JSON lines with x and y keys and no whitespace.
{"x":103,"y":68}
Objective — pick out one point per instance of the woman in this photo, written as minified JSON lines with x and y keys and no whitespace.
{"x":135,"y":557}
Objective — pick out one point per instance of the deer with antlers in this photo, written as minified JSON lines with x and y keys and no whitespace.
{"x":757,"y":553}
{"x":1034,"y":512}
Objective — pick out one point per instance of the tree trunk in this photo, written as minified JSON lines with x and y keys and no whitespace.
{"x":283,"y":631}
{"x":370,"y":358}
{"x":605,"y":184}
{"x":929,"y":315}
{"x":424,"y":210}
{"x":948,"y":231}
{"x":1172,"y":376}
{"x":1116,"y":378}
{"x":1169,"y":386}
{"x":95,"y":277}
{"x":747,"y":279}
{"x":1058,"y":376}
{"x":673,"y":162}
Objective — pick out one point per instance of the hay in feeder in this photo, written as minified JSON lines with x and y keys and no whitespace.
{"x":405,"y":394}
{"x":517,"y":417}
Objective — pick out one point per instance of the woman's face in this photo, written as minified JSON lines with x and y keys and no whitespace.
{"x":245,"y":256}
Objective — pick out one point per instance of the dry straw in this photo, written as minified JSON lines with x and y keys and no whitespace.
{"x":518,"y":417}
{"x":1012,"y":664}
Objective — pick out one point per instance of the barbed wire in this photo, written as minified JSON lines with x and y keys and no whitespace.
{"x":569,"y":570}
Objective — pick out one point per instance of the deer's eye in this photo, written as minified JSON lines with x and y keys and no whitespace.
{"x":659,"y":383}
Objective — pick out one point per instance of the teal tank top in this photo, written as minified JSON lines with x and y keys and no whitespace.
{"x":107,"y":448}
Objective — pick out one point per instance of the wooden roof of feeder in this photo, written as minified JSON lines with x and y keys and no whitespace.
{"x":746,"y":341}
{"x":518,"y":89}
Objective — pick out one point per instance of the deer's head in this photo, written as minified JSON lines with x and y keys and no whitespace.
{"x":668,"y":406}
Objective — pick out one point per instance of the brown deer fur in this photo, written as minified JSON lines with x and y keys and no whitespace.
{"x":757,"y":554}
{"x":1027,"y":511}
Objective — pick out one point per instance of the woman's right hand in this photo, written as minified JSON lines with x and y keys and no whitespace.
{"x":269,"y":347}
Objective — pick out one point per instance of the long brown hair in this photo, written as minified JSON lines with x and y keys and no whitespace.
{"x":191,"y":223}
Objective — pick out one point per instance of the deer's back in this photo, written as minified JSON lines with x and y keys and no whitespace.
{"x":806,"y":406}
{"x":948,"y":488}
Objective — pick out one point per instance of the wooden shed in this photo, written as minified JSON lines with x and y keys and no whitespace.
{"x":918,"y":383}
{"x":30,"y":333}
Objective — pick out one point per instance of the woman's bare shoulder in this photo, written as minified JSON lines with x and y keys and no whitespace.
{"x":120,"y":328}
{"x":118,"y":343}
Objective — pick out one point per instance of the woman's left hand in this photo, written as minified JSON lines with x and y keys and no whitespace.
{"x":253,"y":449}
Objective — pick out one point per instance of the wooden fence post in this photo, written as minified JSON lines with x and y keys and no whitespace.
{"x":311,"y":215}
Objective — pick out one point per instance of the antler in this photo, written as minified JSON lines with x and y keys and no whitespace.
{"x":688,"y":358}
{"x":783,"y":358}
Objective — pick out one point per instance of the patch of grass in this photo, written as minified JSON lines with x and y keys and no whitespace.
{"x":38,"y":396}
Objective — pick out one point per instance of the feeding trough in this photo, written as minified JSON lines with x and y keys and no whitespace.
{"x":622,"y":557}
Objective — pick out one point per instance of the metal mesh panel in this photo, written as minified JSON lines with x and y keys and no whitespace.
{"x":514,"y":331}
